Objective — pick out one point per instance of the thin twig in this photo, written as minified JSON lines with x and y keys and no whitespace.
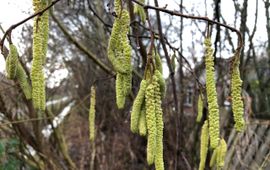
{"x":25,"y":120}
{"x":240,"y":41}
{"x":12,"y":27}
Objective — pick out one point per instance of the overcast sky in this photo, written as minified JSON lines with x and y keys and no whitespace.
{"x":13,"y":11}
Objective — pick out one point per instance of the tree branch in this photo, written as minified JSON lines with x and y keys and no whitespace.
{"x":240,"y":41}
{"x":12,"y":27}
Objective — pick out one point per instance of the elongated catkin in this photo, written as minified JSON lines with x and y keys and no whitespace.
{"x":221,"y":153}
{"x":159,"y":163}
{"x":45,"y":30}
{"x":151,"y":123}
{"x":199,"y":109}
{"x":142,"y":122}
{"x":22,"y":78}
{"x":40,"y":40}
{"x":237,"y":102}
{"x":92,"y":114}
{"x":211,"y":95}
{"x":137,"y":107}
{"x":119,"y":54}
{"x":12,"y":62}
{"x":204,"y":145}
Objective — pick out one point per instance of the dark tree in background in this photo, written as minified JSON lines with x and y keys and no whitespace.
{"x":78,"y":41}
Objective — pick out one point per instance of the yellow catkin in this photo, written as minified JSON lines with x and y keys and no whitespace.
{"x":36,"y":5}
{"x":137,"y":107}
{"x":214,"y":157}
{"x":37,"y":75}
{"x":12,"y":62}
{"x":92,"y":113}
{"x":120,"y":96}
{"x":151,"y":123}
{"x":142,"y":122}
{"x":237,"y":102}
{"x":158,"y":62}
{"x":127,"y":78}
{"x":159,"y":163}
{"x":211,"y":95}
{"x":119,"y":54}
{"x":162,"y":83}
{"x":140,"y":11}
{"x":45,"y":29}
{"x":221,"y":153}
{"x":199,"y":109}
{"x":40,"y":31}
{"x":204,"y":145}
{"x":22,"y":78}
{"x":117,"y":7}
{"x":40,"y":41}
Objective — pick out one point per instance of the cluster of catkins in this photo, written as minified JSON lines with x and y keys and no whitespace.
{"x":147,"y":115}
{"x":211,"y":129}
{"x":138,"y":9}
{"x":119,"y":53}
{"x":16,"y":71}
{"x":40,"y":40}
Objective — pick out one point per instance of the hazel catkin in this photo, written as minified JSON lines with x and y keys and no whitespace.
{"x":211,"y":95}
{"x":92,"y":113}
{"x":221,"y":153}
{"x":142,"y":122}
{"x":237,"y":102}
{"x":151,"y":123}
{"x":119,"y":54}
{"x":137,"y":107}
{"x":12,"y":62}
{"x":199,"y":109}
{"x":159,"y":163}
{"x":204,"y":144}
{"x":22,"y":78}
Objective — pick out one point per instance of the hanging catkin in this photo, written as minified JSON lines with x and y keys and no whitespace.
{"x":204,"y":144}
{"x":40,"y":38}
{"x":158,"y":62}
{"x":45,"y":29}
{"x":119,"y":53}
{"x":120,"y":96}
{"x":162,"y":83}
{"x":237,"y":102}
{"x":159,"y":163}
{"x":199,"y":109}
{"x":140,"y":10}
{"x":142,"y":122}
{"x":211,"y":95}
{"x":221,"y":153}
{"x":12,"y":62}
{"x":214,"y":157}
{"x":137,"y":107}
{"x":22,"y":78}
{"x":151,"y":123}
{"x":92,"y":112}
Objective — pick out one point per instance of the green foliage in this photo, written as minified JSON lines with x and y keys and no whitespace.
{"x":8,"y":148}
